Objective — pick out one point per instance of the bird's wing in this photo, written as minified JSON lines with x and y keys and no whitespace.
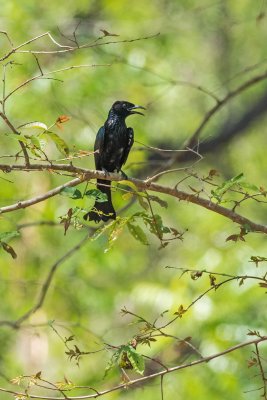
{"x":99,"y":145}
{"x":127,"y":149}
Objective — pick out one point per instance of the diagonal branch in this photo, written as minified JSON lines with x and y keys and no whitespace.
{"x":47,"y":282}
{"x":148,"y":377}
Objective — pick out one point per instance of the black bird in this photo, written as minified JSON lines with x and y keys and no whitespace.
{"x":112,"y":145}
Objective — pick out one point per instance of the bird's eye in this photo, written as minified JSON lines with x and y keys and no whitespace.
{"x":124,"y":105}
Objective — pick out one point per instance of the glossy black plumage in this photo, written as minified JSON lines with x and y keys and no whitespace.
{"x":112,"y":146}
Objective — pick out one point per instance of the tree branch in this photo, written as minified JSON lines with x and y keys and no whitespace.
{"x":148,"y":377}
{"x":86,"y":174}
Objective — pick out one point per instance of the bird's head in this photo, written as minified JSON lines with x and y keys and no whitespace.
{"x":124,"y":108}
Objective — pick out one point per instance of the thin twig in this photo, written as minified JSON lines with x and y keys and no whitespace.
{"x":43,"y":75}
{"x":264,"y":379}
{"x":13,"y":129}
{"x":47,"y":282}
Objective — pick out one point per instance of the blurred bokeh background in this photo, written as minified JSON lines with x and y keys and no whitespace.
{"x":208,"y":46}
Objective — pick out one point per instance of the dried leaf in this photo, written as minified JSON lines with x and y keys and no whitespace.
{"x":252,"y":362}
{"x":8,"y":249}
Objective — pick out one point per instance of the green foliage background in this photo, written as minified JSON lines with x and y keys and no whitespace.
{"x":205,"y":44}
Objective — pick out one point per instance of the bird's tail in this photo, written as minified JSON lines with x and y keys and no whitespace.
{"x":105,"y":210}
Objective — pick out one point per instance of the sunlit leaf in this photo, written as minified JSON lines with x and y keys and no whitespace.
{"x":222,"y":189}
{"x":138,"y":233}
{"x":6,"y":236}
{"x":36,"y":142}
{"x":59,"y":142}
{"x":18,"y":138}
{"x":136,"y":359}
{"x":34,"y":125}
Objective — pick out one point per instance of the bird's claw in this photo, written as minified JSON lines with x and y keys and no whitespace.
{"x":105,"y":172}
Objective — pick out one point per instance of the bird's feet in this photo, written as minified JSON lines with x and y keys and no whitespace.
{"x":105,"y":171}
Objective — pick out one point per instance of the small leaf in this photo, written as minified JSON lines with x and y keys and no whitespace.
{"x":8,"y":249}
{"x":66,"y":220}
{"x":212,"y":173}
{"x":241,"y":281}
{"x":36,"y":142}
{"x":233,"y":238}
{"x":106,"y":33}
{"x":137,"y":232}
{"x":34,"y":125}
{"x":96,"y":194}
{"x":62,"y":119}
{"x":253,"y":333}
{"x":129,"y":184}
{"x":143,"y":202}
{"x":19,"y":138}
{"x":71,"y":192}
{"x":116,"y":231}
{"x":6,"y":236}
{"x":250,"y":186}
{"x":196,"y":275}
{"x":221,"y":190}
{"x":252,"y":362}
{"x":161,"y":202}
{"x":99,"y":232}
{"x":180,"y":311}
{"x":17,"y":380}
{"x":59,"y":142}
{"x":137,"y":361}
{"x":38,"y":375}
{"x":212,"y":280}
{"x":257,"y":260}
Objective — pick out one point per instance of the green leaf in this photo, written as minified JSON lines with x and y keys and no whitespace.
{"x":34,"y":125}
{"x":6,"y":236}
{"x":158,"y":200}
{"x":117,"y":229}
{"x":137,"y":232}
{"x":221,"y":190}
{"x":71,"y":192}
{"x":36,"y":142}
{"x":136,"y":360}
{"x":97,"y":195}
{"x":59,"y":142}
{"x":113,"y":361}
{"x":18,"y":138}
{"x":102,"y":230}
{"x":250,"y":186}
{"x":143,"y":202}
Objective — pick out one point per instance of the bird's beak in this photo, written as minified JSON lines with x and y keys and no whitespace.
{"x":134,"y":108}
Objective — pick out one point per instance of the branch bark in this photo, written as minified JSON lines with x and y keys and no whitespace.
{"x":86,"y":174}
